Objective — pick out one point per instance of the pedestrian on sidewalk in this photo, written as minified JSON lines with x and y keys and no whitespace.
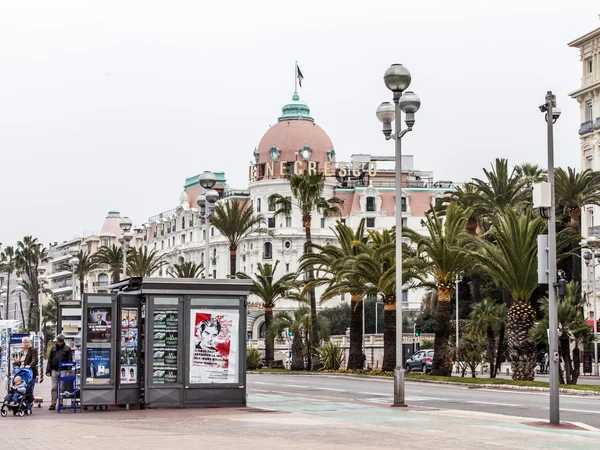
{"x":546,"y":363}
{"x":60,"y":353}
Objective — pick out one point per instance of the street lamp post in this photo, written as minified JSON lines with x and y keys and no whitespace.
{"x":19,"y":290}
{"x":552,"y":115}
{"x":125,"y":238}
{"x":74,"y":262}
{"x":3,"y":298}
{"x":397,"y":78}
{"x":457,"y":319}
{"x":206,"y":202}
{"x":41,"y":281}
{"x":589,"y":261}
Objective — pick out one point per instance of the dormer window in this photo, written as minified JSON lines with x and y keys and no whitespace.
{"x":371,"y":204}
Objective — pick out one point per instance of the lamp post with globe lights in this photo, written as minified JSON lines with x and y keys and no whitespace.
{"x":397,"y":78}
{"x":206,"y":202}
{"x":125,"y":239}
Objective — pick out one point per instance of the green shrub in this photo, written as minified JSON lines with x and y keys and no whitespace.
{"x":426,"y":344}
{"x":253,"y":359}
{"x":331,"y":356}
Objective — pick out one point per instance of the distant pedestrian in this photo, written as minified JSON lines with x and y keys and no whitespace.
{"x":60,"y":353}
{"x":546,"y":363}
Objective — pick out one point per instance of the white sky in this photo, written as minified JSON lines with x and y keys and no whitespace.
{"x":110,"y":104}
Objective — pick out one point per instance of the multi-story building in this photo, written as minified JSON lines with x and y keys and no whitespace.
{"x":295,"y":144}
{"x":588,"y":97}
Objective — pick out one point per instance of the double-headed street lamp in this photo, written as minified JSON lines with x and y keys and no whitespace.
{"x":397,"y":78}
{"x":588,"y":257}
{"x":206,"y":202}
{"x":125,"y":239}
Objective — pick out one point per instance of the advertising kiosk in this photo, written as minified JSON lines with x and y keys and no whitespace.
{"x":166,"y":342}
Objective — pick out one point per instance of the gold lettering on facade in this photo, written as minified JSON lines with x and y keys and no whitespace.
{"x":297,"y":169}
{"x":372,"y":168}
{"x":326,"y":169}
{"x":312,"y":168}
{"x":355,"y":167}
{"x":270,"y":169}
{"x":252,"y":172}
{"x":283,"y":168}
{"x":342,"y":166}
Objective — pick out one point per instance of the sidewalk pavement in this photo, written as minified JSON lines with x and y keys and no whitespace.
{"x":284,"y":422}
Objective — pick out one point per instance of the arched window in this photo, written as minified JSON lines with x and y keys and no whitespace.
{"x":271,"y":203}
{"x":268,"y":251}
{"x":103,"y":280}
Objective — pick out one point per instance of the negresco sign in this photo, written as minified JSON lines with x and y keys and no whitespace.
{"x":341,"y":169}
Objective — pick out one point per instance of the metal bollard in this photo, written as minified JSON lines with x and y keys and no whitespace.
{"x":399,"y":387}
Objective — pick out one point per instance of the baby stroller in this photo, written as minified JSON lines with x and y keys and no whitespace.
{"x":24,"y":407}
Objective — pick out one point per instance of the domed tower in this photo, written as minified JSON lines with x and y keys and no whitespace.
{"x":296,"y":144}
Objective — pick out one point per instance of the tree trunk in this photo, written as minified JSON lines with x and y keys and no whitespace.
{"x":269,"y":340}
{"x":314,"y":334}
{"x":115,"y":277}
{"x":491,"y":347}
{"x":476,"y":285}
{"x":232,"y":262}
{"x":297,"y":358}
{"x":564,"y":349}
{"x":499,"y":352}
{"x":442,"y":365}
{"x":389,"y":334}
{"x":22,"y":313}
{"x":355,"y":355}
{"x":521,"y":351}
{"x":81,"y":288}
{"x":7,"y":295}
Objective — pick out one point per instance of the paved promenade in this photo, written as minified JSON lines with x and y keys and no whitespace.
{"x":284,"y":422}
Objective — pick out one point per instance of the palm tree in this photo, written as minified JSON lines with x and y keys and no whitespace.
{"x":501,"y":190}
{"x":307,"y":192}
{"x":141,"y":263}
{"x":487,"y":317}
{"x":236,"y":220}
{"x":294,"y":322}
{"x":269,"y":290}
{"x":331,"y":265}
{"x":573,"y":190}
{"x":29,"y":255}
{"x":113,"y":257}
{"x":532,"y":173}
{"x":512,"y":261}
{"x":86,"y":264}
{"x":441,"y":246}
{"x":8,"y":264}
{"x":376,"y":265}
{"x":573,"y":331}
{"x":186,"y":269}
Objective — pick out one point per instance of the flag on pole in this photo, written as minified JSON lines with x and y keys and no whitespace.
{"x":299,"y":75}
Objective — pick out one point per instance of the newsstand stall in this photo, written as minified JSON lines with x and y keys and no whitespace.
{"x":166,"y":342}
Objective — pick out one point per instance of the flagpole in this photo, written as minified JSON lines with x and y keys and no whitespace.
{"x":296,"y":77}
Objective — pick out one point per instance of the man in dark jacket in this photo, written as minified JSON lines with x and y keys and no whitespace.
{"x":60,"y":353}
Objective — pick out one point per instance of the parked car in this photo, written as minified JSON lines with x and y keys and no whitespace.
{"x":420,"y":361}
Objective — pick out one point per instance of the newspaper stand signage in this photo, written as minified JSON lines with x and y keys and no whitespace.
{"x":165,"y":342}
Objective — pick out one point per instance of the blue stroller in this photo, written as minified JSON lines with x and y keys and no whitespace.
{"x":24,"y":407}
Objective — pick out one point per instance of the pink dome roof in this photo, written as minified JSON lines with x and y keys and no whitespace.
{"x":290,"y":137}
{"x":111,"y":227}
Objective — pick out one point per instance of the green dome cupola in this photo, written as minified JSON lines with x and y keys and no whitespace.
{"x":296,"y":110}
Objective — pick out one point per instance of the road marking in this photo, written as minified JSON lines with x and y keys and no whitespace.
{"x":295,"y":386}
{"x":491,"y":403}
{"x":579,"y":410}
{"x":332,"y":389}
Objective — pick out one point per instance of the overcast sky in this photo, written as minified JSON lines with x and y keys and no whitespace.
{"x":111,"y":104}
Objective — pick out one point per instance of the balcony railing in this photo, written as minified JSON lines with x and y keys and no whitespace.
{"x":585,"y":128}
{"x":100,"y":283}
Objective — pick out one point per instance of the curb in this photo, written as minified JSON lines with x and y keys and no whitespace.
{"x":454,"y":383}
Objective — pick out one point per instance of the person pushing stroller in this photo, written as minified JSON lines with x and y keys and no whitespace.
{"x":15,"y":392}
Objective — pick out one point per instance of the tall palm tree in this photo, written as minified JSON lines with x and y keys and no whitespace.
{"x":532,"y":173}
{"x":573,"y":190}
{"x":376,"y":265}
{"x":441,"y":245}
{"x":512,"y":260}
{"x":87,"y":263}
{"x":186,"y":269}
{"x":331,"y":264}
{"x":307,"y":196}
{"x":113,"y":257}
{"x":30,"y":255}
{"x":487,"y":317}
{"x":143,"y":263}
{"x":236,"y":220}
{"x":8,"y":264}
{"x":269,"y":289}
{"x":502,"y":189}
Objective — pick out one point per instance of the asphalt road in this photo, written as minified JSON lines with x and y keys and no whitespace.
{"x":513,"y":403}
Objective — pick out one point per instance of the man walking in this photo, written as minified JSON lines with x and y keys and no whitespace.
{"x":60,"y":353}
